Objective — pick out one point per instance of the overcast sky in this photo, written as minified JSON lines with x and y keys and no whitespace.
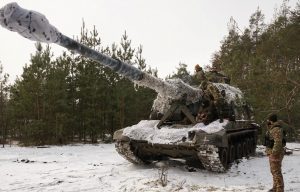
{"x":171,"y":31}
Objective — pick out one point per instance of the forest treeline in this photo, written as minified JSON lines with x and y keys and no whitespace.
{"x":71,"y":98}
{"x":74,"y":99}
{"x":263,"y":60}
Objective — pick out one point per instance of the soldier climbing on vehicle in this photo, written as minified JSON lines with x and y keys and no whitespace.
{"x":213,"y":99}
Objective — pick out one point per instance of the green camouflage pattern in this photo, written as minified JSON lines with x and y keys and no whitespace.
{"x":276,"y":154}
{"x":217,"y":77}
{"x":275,"y":167}
{"x":275,"y":133}
{"x":213,"y":92}
{"x":200,"y":76}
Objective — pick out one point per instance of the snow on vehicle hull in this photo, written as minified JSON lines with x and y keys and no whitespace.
{"x":215,"y":146}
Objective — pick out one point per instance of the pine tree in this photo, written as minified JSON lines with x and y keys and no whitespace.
{"x":263,"y":61}
{"x":28,"y":102}
{"x":57,"y":104}
{"x":182,"y":73}
{"x":73,"y":98}
{"x":4,"y":88}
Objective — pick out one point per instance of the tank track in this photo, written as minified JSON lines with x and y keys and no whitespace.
{"x":124,"y":149}
{"x":209,"y":157}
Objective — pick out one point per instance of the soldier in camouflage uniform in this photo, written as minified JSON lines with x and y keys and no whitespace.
{"x":200,"y":76}
{"x":275,"y":150}
{"x":214,"y":95}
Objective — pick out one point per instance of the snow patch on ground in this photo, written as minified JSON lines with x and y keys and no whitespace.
{"x":147,"y":130}
{"x":96,"y":168}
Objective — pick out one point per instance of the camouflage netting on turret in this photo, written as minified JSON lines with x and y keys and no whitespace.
{"x":170,"y":90}
{"x":232,"y":94}
{"x":165,"y":98}
{"x":30,"y":24}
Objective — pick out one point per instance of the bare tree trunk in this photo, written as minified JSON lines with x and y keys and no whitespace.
{"x":122,"y":111}
{"x":3,"y":138}
{"x":2,"y":116}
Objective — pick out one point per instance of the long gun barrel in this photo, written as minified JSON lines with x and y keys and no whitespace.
{"x":35,"y":26}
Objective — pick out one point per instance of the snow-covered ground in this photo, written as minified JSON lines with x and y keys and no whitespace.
{"x":100,"y":168}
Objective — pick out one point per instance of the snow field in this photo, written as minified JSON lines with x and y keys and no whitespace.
{"x":100,"y":168}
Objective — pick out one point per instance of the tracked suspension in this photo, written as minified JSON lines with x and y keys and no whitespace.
{"x":124,"y":149}
{"x":210,"y":159}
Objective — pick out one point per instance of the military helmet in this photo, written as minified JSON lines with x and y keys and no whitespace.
{"x":198,"y":68}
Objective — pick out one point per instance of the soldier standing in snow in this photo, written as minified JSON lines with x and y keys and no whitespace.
{"x":274,"y":142}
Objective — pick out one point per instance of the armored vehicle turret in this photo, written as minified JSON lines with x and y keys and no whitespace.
{"x":184,"y":122}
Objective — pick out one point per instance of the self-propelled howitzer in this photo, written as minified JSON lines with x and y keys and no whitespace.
{"x":173,"y":130}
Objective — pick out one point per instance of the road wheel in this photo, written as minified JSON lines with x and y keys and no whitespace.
{"x":248,"y":145}
{"x":223,"y":154}
{"x":239,"y":151}
{"x":231,"y":153}
{"x":252,"y":146}
{"x":244,"y":146}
